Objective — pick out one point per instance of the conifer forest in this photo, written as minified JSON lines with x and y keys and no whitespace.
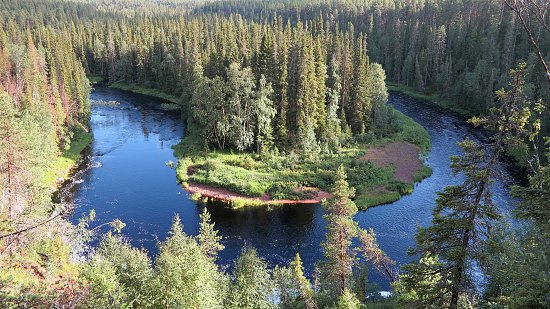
{"x":275,"y":154}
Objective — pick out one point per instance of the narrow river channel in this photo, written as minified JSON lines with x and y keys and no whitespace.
{"x":125,"y":176}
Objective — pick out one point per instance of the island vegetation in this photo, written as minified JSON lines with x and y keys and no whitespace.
{"x":281,"y":99}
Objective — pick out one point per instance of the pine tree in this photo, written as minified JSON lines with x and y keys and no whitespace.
{"x":341,"y":229}
{"x":306,"y":92}
{"x":282,"y":104}
{"x":304,"y":286}
{"x":466,"y":211}
{"x":208,"y":238}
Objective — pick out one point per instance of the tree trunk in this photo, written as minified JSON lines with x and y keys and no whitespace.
{"x":10,"y":178}
{"x":342,"y":257}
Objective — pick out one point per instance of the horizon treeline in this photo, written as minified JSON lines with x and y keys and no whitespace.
{"x":319,"y":86}
{"x":460,"y":50}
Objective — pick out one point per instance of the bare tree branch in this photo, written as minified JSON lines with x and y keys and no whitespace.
{"x":519,"y":7}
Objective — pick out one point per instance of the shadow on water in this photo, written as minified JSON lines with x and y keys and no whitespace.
{"x":125,"y":176}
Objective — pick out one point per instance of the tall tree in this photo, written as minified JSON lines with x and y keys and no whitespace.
{"x":240,"y":97}
{"x":264,"y":114}
{"x":464,"y":213}
{"x":341,"y":229}
{"x":526,"y":11}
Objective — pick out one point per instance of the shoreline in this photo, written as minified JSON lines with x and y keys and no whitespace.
{"x":66,"y":164}
{"x":401,"y":157}
{"x":433,"y":98}
{"x":201,"y":191}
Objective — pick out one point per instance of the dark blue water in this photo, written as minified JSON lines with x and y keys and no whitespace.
{"x":126,"y":177}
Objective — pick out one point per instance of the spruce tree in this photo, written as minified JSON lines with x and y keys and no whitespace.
{"x":184,"y":275}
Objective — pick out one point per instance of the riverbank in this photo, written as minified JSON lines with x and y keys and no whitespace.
{"x":246,"y":179}
{"x":62,"y":167}
{"x":170,"y":102}
{"x":434,"y":98}
{"x":205,"y":193}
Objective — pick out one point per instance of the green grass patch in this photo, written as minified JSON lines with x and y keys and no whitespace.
{"x":376,"y":196}
{"x":423,"y":173}
{"x":95,"y":79}
{"x":62,"y":165}
{"x":432,"y":97}
{"x":149,"y":92}
{"x":246,"y":174}
{"x":412,"y":132}
{"x":409,"y":131}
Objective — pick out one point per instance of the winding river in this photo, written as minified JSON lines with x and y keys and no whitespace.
{"x":125,"y":176}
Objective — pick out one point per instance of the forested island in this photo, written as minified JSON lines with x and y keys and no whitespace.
{"x":283,"y":102}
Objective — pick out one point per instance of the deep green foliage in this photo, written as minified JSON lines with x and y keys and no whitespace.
{"x":120,"y":274}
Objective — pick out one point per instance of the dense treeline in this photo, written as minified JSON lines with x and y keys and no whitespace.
{"x":44,"y":101}
{"x":461,"y":50}
{"x":323,"y":86}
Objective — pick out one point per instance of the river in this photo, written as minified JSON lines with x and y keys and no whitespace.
{"x":125,"y":176}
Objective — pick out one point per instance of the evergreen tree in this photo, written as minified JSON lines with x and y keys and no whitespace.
{"x":347,"y":300}
{"x":341,"y":229}
{"x":466,"y":211}
{"x":252,"y":284}
{"x":185,"y":276}
{"x":304,"y":286}
{"x":120,"y":274}
{"x":208,"y":238}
